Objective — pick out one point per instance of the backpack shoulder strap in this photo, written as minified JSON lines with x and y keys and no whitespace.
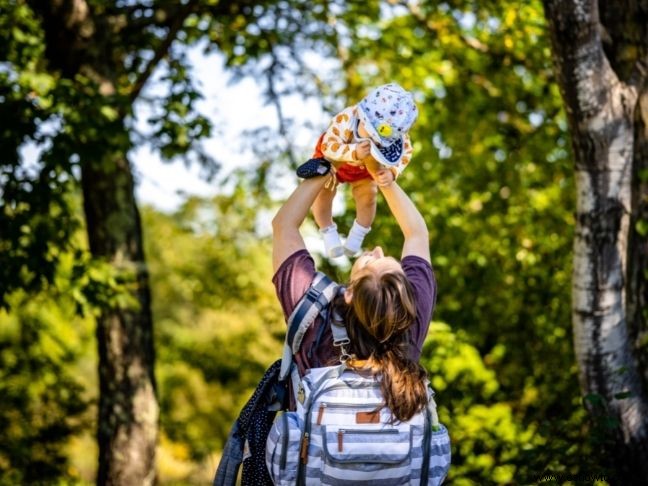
{"x":315,"y":300}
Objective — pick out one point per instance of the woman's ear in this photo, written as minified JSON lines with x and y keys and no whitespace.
{"x":348,"y":295}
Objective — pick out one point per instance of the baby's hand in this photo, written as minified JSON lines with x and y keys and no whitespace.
{"x":384,"y":177}
{"x":362,"y":149}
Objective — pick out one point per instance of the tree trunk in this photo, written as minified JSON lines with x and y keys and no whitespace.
{"x":80,"y":42}
{"x":601,"y":111}
{"x":637,"y":296}
{"x":638,"y":244}
{"x":128,"y":408}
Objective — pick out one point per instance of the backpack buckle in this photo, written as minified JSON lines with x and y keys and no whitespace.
{"x":344,"y":354}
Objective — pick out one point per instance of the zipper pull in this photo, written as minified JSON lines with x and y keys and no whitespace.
{"x":304,"y":449}
{"x":301,"y":393}
{"x":320,"y":413}
{"x":340,"y":439}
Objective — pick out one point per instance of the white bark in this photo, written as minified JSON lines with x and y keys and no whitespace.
{"x":601,"y":339}
{"x":600,"y":108}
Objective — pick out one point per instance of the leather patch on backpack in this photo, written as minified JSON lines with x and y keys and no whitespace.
{"x":368,"y":417}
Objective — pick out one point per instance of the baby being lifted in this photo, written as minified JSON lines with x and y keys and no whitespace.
{"x":376,"y":129}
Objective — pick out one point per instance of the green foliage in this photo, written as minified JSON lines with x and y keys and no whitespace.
{"x":485,"y":435}
{"x":43,"y":399}
{"x":490,"y":442}
{"x":218,"y":322}
{"x":34,"y":217}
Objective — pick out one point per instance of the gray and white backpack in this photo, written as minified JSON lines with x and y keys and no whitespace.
{"x":341,"y":432}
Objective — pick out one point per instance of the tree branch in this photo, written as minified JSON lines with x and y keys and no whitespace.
{"x":468,"y":41}
{"x":275,"y":99}
{"x":162,"y":50}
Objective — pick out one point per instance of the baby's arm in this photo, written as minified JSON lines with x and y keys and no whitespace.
{"x":336,"y":144}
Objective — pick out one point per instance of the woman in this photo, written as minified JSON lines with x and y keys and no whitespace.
{"x":387,"y":305}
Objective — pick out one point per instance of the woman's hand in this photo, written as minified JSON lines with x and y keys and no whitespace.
{"x":381,"y":175}
{"x":384,"y":177}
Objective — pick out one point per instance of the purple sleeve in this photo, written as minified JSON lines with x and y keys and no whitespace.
{"x":420,"y":274}
{"x":293,"y":278}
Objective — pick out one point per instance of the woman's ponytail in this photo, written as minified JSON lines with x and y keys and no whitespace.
{"x":403,"y":383}
{"x":378,"y":320}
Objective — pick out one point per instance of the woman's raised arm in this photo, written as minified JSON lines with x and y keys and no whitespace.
{"x":410,"y":220}
{"x":286,"y":238}
{"x":408,"y":217}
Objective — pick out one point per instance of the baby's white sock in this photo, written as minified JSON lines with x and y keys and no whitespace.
{"x":354,"y":241}
{"x":332,"y":242}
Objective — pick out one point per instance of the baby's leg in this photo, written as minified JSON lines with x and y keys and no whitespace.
{"x":323,"y":214}
{"x":364,"y":194}
{"x":323,"y":208}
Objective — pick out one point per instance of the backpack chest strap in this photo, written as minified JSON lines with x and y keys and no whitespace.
{"x":340,"y":336}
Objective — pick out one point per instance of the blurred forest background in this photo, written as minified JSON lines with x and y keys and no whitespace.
{"x":492,"y":173}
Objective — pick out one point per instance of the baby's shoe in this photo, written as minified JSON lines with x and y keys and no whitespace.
{"x":332,"y":242}
{"x":313,"y":167}
{"x":353,"y":244}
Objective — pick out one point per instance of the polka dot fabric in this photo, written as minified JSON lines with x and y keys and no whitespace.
{"x":251,"y":427}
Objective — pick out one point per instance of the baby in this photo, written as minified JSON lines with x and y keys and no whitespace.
{"x":376,"y":128}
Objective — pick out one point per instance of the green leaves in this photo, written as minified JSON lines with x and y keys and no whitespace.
{"x":642,"y":227}
{"x":486,"y":435}
{"x":218,"y":322}
{"x":44,"y":401}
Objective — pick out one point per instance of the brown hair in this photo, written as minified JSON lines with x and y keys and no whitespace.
{"x":378,"y":320}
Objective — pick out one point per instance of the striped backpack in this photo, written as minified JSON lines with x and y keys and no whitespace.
{"x":341,"y":433}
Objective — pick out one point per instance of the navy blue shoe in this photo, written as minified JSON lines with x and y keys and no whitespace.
{"x":313,"y":168}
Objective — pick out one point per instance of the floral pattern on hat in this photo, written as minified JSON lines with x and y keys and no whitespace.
{"x":388,"y":112}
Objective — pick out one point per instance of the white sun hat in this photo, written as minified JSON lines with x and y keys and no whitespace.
{"x":388,"y":112}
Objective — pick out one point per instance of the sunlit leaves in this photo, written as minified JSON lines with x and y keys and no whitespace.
{"x":485,"y":433}
{"x":218,"y":322}
{"x":43,"y":394}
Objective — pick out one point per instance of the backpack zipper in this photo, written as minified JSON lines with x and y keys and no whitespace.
{"x":370,"y":431}
{"x":320,"y":414}
{"x":333,"y":405}
{"x":304,"y":448}
{"x":341,"y":432}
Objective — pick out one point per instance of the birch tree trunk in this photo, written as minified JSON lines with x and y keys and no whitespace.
{"x":603,"y":109}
